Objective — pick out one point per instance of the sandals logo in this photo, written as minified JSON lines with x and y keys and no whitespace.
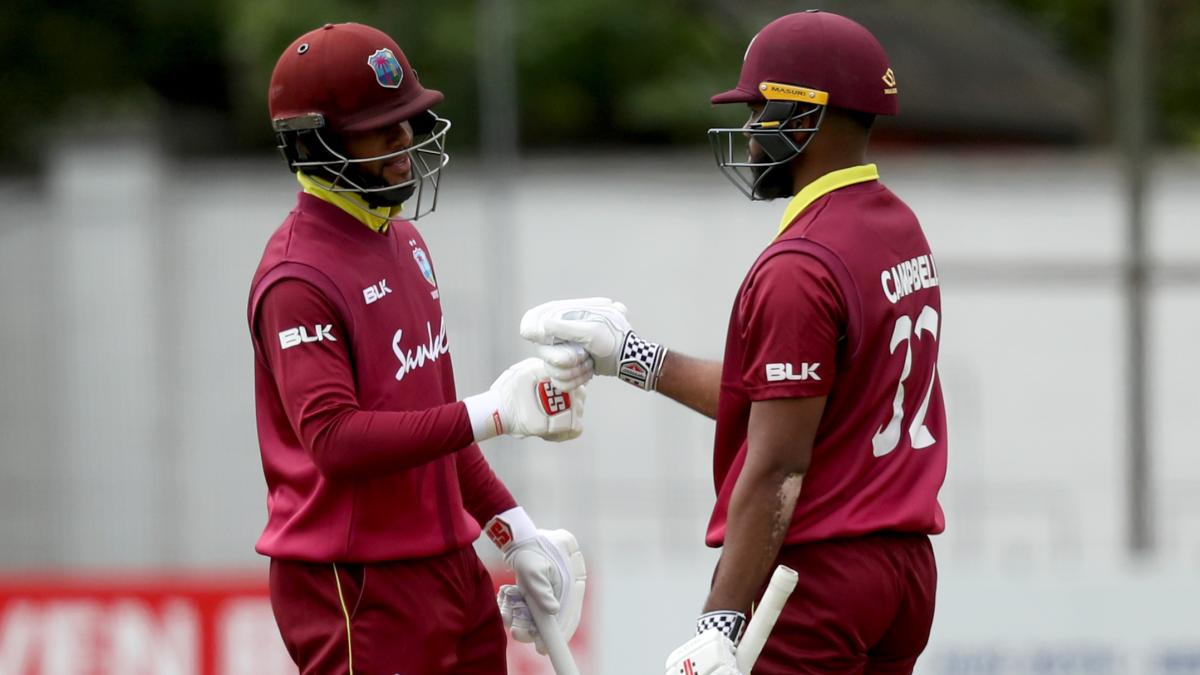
{"x":426,"y":352}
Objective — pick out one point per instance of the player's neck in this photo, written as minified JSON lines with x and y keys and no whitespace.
{"x":827,"y":154}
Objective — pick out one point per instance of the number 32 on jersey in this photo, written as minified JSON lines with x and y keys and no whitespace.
{"x":922,"y":332}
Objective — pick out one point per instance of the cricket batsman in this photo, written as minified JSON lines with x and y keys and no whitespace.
{"x":830,"y":440}
{"x":376,"y":487}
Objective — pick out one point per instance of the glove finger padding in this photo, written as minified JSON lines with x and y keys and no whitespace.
{"x":569,"y":558}
{"x":563,"y":356}
{"x":568,"y":365}
{"x":597,"y":324}
{"x":515,"y":613}
{"x":550,"y":571}
{"x":532,"y":323}
{"x":530,"y":405}
{"x":538,"y":578}
{"x":568,"y":425}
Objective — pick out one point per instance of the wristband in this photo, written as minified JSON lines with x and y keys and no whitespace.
{"x":484,"y":413}
{"x":729,"y":623}
{"x":641,"y":362}
{"x":510,"y":528}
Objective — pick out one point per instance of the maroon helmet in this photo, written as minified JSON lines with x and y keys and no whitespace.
{"x":344,"y":78}
{"x":797,"y":66}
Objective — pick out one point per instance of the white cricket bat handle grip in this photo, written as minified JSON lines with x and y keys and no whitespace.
{"x":783,"y":581}
{"x":556,"y":646}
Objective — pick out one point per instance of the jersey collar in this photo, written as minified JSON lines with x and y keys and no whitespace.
{"x":834,"y":180}
{"x":375,"y":218}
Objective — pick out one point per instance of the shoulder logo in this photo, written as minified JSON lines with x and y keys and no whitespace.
{"x":388,"y":72}
{"x":299,"y":335}
{"x":889,"y":81}
{"x":779,"y":372}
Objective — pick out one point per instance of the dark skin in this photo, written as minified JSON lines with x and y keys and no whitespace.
{"x":379,"y":142}
{"x":781,"y":432}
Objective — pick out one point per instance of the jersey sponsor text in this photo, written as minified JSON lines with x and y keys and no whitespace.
{"x":909,"y":277}
{"x":428,"y":352}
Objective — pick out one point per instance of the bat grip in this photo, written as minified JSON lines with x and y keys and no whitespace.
{"x":783,"y":581}
{"x":556,"y":646}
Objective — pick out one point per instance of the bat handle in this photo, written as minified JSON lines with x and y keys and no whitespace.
{"x":783,"y":581}
{"x":556,"y":646}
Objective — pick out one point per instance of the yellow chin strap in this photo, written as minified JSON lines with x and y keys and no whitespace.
{"x":376,"y":218}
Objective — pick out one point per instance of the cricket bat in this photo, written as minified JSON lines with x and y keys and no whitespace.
{"x":556,"y":646}
{"x":783,"y":581}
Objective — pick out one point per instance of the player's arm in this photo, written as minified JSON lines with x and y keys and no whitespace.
{"x":778,"y":452}
{"x":693,"y":382}
{"x":600,"y":327}
{"x":547,"y":565}
{"x":315,"y":381}
{"x":792,"y":317}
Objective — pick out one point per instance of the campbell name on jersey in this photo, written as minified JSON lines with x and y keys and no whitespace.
{"x":845,"y":303}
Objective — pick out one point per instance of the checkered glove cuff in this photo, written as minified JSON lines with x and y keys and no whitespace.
{"x":641,"y":362}
{"x":731,"y":623}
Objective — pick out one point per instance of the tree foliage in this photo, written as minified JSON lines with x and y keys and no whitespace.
{"x":592,"y":72}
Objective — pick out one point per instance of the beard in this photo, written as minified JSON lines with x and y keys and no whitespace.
{"x":772,"y":182}
{"x":381,"y":195}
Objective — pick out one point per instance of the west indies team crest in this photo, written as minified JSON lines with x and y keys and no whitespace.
{"x":388,"y":72}
{"x":426,"y":268}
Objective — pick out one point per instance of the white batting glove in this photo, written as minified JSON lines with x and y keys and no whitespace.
{"x":600,"y":327}
{"x":709,"y":653}
{"x":523,"y":402}
{"x":569,"y":365}
{"x":550,"y":571}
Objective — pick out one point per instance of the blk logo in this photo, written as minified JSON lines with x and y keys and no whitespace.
{"x":376,"y":291}
{"x":299,"y":335}
{"x":553,"y":400}
{"x":779,"y":372}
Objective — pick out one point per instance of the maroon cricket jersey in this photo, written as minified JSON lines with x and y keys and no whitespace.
{"x":367,"y":454}
{"x":844,"y":303}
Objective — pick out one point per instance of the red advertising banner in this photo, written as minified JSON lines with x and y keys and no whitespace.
{"x":163,"y":624}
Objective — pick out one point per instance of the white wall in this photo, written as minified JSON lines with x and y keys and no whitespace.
{"x":127,"y":412}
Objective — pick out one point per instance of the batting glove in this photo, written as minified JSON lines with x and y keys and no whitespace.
{"x":523,"y":402}
{"x":550,"y":572}
{"x":600,"y":327}
{"x":709,"y":653}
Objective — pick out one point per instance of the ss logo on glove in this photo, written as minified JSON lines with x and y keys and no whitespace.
{"x":553,"y":401}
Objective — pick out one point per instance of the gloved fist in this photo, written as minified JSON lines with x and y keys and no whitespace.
{"x":600,"y":327}
{"x":550,"y":572}
{"x":709,"y":653}
{"x":523,"y":402}
{"x":568,"y":364}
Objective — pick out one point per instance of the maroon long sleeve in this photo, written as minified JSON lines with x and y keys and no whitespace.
{"x":316,"y":386}
{"x":483,"y":494}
